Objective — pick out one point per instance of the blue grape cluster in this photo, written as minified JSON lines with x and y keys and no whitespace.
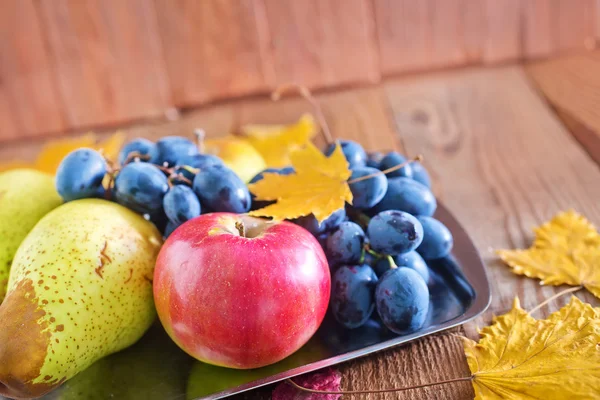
{"x":169,"y":181}
{"x":379,"y":246}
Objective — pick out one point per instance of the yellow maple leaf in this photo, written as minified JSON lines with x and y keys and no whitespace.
{"x":54,"y":151}
{"x":520,"y":357}
{"x":566,"y":250}
{"x":276,"y":142}
{"x":319,"y":186}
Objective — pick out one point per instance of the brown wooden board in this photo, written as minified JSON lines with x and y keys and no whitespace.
{"x":107,"y":59}
{"x":30,"y":104}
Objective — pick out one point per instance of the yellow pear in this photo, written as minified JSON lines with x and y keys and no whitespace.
{"x":26,"y":195}
{"x":80,"y":289}
{"x":238,"y":154}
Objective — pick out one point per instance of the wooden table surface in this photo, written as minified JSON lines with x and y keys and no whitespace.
{"x":502,"y":161}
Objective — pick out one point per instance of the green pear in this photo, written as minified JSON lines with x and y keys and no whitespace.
{"x":153,"y":368}
{"x":26,"y":195}
{"x":80,"y":289}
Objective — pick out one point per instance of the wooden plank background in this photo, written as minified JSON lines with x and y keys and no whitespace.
{"x":68,"y":65}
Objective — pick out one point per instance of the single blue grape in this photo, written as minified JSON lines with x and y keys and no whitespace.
{"x":352,"y":294}
{"x":402,"y":300}
{"x":141,"y":187}
{"x":394,"y":232}
{"x":374,"y":159}
{"x":345,"y":244}
{"x":411,"y":260}
{"x":141,"y":146}
{"x":310,"y":223}
{"x":420,"y":174}
{"x":172,"y":149}
{"x":392,"y":159}
{"x":195,"y":161}
{"x":181,"y":204}
{"x":80,"y":175}
{"x":220,"y":189}
{"x":437,"y":239}
{"x":368,"y":192}
{"x":169,"y":229}
{"x":354,"y":153}
{"x":407,"y":195}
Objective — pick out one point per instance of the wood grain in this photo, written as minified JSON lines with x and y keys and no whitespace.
{"x":322,"y":43}
{"x":572,"y":85}
{"x":494,"y":145}
{"x":29,"y":101}
{"x":107,"y":59}
{"x":215,"y":49}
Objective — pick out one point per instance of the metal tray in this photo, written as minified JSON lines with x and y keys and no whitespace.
{"x":156,"y":368}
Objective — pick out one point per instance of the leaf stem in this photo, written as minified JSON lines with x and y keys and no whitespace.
{"x":386,"y":171}
{"x":463,"y":379}
{"x":557,"y":295}
{"x":305,"y":92}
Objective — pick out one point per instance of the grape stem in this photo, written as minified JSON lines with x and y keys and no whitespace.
{"x":135,"y":154}
{"x":392,"y":262}
{"x":200,"y":136}
{"x":305,"y":92}
{"x":387,"y":171}
{"x":402,"y":389}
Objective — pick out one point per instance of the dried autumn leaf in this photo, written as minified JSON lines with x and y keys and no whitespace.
{"x":276,"y":142}
{"x":319,"y":186}
{"x":519,"y":357}
{"x":52,"y":153}
{"x":566,"y":250}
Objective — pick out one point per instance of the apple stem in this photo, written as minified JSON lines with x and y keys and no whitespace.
{"x":241,"y":228}
{"x":387,"y":171}
{"x":461,"y":379}
{"x":200,"y":135}
{"x":305,"y":92}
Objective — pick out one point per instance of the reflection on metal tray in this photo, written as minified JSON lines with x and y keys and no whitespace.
{"x":156,"y":369}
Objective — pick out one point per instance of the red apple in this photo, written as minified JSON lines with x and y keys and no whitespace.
{"x":241,"y":292}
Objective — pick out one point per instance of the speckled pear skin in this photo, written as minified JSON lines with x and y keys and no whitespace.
{"x":26,"y":195}
{"x":80,"y":289}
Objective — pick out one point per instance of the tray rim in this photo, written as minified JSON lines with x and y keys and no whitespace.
{"x":476,"y":277}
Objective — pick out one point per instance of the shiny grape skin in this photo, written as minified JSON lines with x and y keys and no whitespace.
{"x":392,"y":159}
{"x":220,"y":189}
{"x":173,"y":149}
{"x":345,"y":244}
{"x":354,"y":153}
{"x":437,"y":239}
{"x":368,"y":192}
{"x":420,"y":174}
{"x":169,"y":229}
{"x":394,"y":232}
{"x":181,"y":204}
{"x":407,"y":195}
{"x":352,"y":294}
{"x":374,"y":159}
{"x":80,"y":175}
{"x":141,"y":187}
{"x":196,"y":161}
{"x":412,"y":260}
{"x":402,"y":300}
{"x":143,"y":147}
{"x":310,"y":223}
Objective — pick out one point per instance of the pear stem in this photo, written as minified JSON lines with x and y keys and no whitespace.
{"x":387,"y":171}
{"x":241,"y":228}
{"x":200,"y":135}
{"x":351,"y":392}
{"x":556,"y":296}
{"x":305,"y":92}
